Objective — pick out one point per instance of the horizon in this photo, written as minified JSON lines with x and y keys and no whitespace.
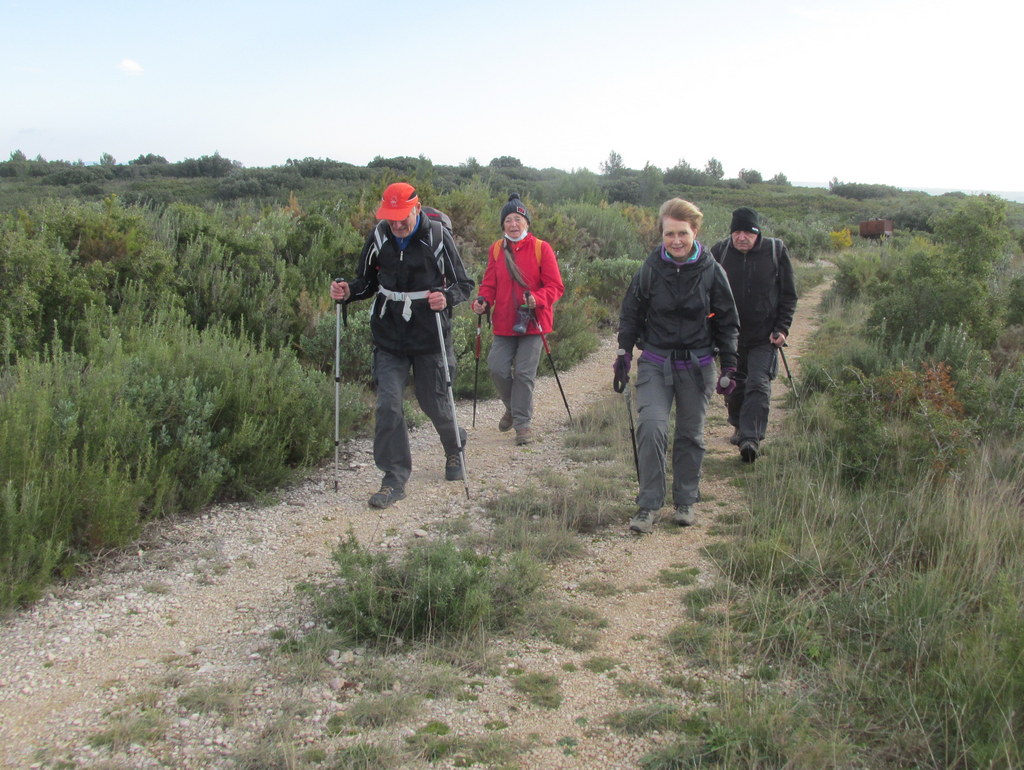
{"x":1015,"y":196}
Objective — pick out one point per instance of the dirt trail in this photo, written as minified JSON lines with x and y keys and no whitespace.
{"x":201,"y":601}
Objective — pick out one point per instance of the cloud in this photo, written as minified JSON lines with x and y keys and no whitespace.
{"x":129,"y":66}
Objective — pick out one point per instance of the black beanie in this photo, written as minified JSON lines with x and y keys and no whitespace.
{"x":745,"y":219}
{"x":514,"y":206}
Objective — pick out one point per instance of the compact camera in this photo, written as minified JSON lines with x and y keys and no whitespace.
{"x":524,"y":316}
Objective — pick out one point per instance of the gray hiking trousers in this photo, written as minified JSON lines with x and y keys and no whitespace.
{"x":391,"y":451}
{"x":657,"y":387}
{"x":512,"y":363}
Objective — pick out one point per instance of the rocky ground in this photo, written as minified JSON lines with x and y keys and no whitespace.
{"x":200,"y":606}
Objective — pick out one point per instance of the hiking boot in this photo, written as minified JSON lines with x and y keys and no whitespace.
{"x":453,"y":468}
{"x":505,"y":423}
{"x":523,"y":436}
{"x":748,"y":451}
{"x":643,"y":521}
{"x":734,"y":439}
{"x":386,"y":496}
{"x":683,"y":516}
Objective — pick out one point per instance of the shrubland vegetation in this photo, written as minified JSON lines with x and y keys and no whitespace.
{"x":167,"y":341}
{"x":881,"y":567}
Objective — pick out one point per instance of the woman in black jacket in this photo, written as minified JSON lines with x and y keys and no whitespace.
{"x":679,"y":311}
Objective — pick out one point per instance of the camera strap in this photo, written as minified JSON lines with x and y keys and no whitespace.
{"x":513,"y":268}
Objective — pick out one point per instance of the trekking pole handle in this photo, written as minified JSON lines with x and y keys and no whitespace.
{"x":340,"y":280}
{"x":439,"y":290}
{"x":342,"y":303}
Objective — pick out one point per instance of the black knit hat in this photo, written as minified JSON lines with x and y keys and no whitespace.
{"x":514,"y":206}
{"x":745,"y":219}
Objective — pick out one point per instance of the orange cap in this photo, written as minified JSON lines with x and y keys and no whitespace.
{"x":397,"y":201}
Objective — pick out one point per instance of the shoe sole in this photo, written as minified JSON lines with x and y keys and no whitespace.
{"x":684,"y":523}
{"x":643,"y":529}
{"x":387,"y":503}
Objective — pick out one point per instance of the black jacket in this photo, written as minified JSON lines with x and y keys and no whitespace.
{"x":763,"y":287}
{"x":672,"y":307}
{"x":412,"y":270}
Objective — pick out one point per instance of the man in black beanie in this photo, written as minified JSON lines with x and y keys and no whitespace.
{"x":761,"y":277}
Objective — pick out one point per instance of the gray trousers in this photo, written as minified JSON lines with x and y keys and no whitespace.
{"x":513,"y":366}
{"x":749,"y":403}
{"x":657,"y":387}
{"x":391,"y":451}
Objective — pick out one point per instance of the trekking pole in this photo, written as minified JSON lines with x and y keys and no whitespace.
{"x":622,"y":386}
{"x":476,"y":373}
{"x":792,"y":385}
{"x":544,"y":339}
{"x":339,"y":310}
{"x":451,"y":399}
{"x":632,"y":433}
{"x":554,"y":369}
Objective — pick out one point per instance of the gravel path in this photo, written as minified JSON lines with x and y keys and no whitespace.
{"x":204,"y":600}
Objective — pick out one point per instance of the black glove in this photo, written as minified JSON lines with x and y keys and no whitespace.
{"x":623,"y":361}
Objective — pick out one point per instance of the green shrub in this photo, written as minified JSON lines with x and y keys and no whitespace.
{"x":436,"y":591}
{"x":857,"y":274}
{"x":899,"y":425}
{"x":947,"y":285}
{"x":152,"y":418}
{"x":804,"y":239}
{"x":605,"y":282}
{"x":606,"y":232}
{"x":67,"y":485}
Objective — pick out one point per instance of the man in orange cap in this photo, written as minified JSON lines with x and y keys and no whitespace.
{"x":411,"y":266}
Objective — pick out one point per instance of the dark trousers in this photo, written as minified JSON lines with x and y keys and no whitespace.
{"x":391,"y":451}
{"x":748,"y":405}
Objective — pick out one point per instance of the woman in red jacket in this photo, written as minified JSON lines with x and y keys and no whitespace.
{"x":522,"y":283}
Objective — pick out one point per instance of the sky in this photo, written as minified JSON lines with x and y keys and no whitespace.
{"x":914,"y":94}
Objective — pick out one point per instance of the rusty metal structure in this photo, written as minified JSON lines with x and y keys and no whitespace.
{"x":876,"y":228}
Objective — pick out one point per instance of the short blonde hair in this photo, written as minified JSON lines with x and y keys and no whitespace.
{"x":684,"y":211}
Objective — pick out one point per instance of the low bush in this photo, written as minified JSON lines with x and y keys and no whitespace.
{"x":436,"y":592}
{"x":151,"y":419}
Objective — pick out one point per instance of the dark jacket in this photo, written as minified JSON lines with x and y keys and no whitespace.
{"x":413,"y":270}
{"x":670,"y":307}
{"x":763,"y":287}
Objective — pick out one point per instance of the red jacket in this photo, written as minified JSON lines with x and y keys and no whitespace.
{"x":505,"y":296}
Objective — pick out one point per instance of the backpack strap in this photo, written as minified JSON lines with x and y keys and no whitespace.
{"x":380,"y":235}
{"x":497,"y":249}
{"x":434,"y":240}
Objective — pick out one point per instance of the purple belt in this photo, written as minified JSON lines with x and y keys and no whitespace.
{"x":677,"y":363}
